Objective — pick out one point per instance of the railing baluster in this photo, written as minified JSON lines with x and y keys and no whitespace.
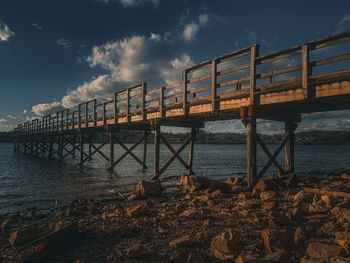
{"x":254,"y":52}
{"x":184,"y":91}
{"x":305,"y":70}
{"x":213,"y":84}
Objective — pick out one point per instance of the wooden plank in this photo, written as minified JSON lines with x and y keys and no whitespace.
{"x":279,"y":72}
{"x":237,"y":68}
{"x":213,"y":85}
{"x":305,"y":71}
{"x":330,"y":60}
{"x":280,"y":54}
{"x":149,"y":92}
{"x":174,"y":85}
{"x":161,"y":102}
{"x":233,"y":82}
{"x":251,"y":150}
{"x":253,"y":55}
{"x":184,"y":91}
{"x":199,"y":79}
{"x":289,"y":147}
{"x":143,"y":100}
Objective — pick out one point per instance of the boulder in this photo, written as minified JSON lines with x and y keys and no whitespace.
{"x":292,"y":181}
{"x":269,"y":205}
{"x":343,"y":240}
{"x":279,"y":240}
{"x":322,"y":251}
{"x":223,"y":245}
{"x":340,"y":260}
{"x":137,"y":210}
{"x":345,"y":213}
{"x":194,"y":183}
{"x":148,"y":188}
{"x":182,"y":242}
{"x":247,"y":258}
{"x":278,"y":219}
{"x":265,"y":185}
{"x":23,"y":236}
{"x":135,"y":251}
{"x":267,"y":195}
{"x":298,"y":198}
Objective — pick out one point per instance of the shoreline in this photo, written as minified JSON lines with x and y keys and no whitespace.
{"x":202,"y":221}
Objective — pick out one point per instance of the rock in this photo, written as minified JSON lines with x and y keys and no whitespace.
{"x":344,"y":204}
{"x":345,"y":176}
{"x":276,"y":257}
{"x":182,"y":242}
{"x":343,"y":240}
{"x":137,"y":210}
{"x":278,"y":219}
{"x":299,"y":235}
{"x":281,"y":240}
{"x":328,"y":228}
{"x":340,"y":260}
{"x":223,"y":245}
{"x":190,"y":213}
{"x":327,"y":200}
{"x":233,"y":181}
{"x":322,"y":251}
{"x":134,"y":196}
{"x":269,"y":205}
{"x":180,"y":255}
{"x":242,"y":196}
{"x":299,"y":213}
{"x":311,"y":260}
{"x":146,"y":188}
{"x":196,"y":256}
{"x":244,"y":213}
{"x":292,"y":181}
{"x":264,"y":185}
{"x":298,"y":198}
{"x":208,"y":222}
{"x":267,"y":195}
{"x":135,"y":251}
{"x":193,"y":183}
{"x":345,"y":213}
{"x":5,"y":223}
{"x":246,"y":258}
{"x":23,"y":236}
{"x":58,"y":226}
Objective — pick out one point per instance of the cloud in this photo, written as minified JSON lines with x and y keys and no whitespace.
{"x":343,"y":24}
{"x":11,"y":117}
{"x":131,"y":3}
{"x":37,"y":26}
{"x":64,"y":42}
{"x":47,"y":108}
{"x":5,"y":32}
{"x":155,"y":59}
{"x":25,"y":111}
{"x":2,"y":120}
{"x":203,"y":20}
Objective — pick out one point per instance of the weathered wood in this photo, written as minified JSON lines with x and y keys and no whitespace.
{"x":326,"y":192}
{"x":111,"y":150}
{"x":289,"y":147}
{"x":251,"y":149}
{"x":253,"y":55}
{"x":184,"y":91}
{"x":213,"y":85}
{"x":144,"y":156}
{"x":156,"y":141}
{"x":305,"y":71}
{"x":191,"y":152}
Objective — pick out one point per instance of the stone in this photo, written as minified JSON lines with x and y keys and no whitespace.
{"x":299,"y":213}
{"x":5,"y":223}
{"x":134,"y":196}
{"x":327,"y":200}
{"x":182,"y":242}
{"x":23,"y":236}
{"x":269,"y":205}
{"x":244,"y":213}
{"x":147,"y":188}
{"x":280,"y":240}
{"x":276,"y":257}
{"x":322,"y":251}
{"x":265,"y":185}
{"x":190,"y":213}
{"x":180,"y":255}
{"x":193,"y":183}
{"x":292,"y":181}
{"x":344,"y":204}
{"x":208,"y":222}
{"x":242,"y":196}
{"x":196,"y":256}
{"x":343,"y":240}
{"x":135,"y":251}
{"x":234,"y":181}
{"x":136,"y":211}
{"x":345,"y":213}
{"x":267,"y":195}
{"x":246,"y":258}
{"x":223,"y":245}
{"x":278,"y":219}
{"x":298,"y":198}
{"x":345,"y":176}
{"x":340,"y":260}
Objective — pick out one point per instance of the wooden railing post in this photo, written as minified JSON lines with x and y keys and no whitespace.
{"x":94,"y":112}
{"x":104,"y":113}
{"x":86,"y":115}
{"x":79,"y":116}
{"x":213,"y":85}
{"x":115,"y":107}
{"x":67,"y":118}
{"x":143,"y":93}
{"x":128,"y":105}
{"x":254,"y":52}
{"x":184,"y":91}
{"x":305,"y":70}
{"x":161,"y":102}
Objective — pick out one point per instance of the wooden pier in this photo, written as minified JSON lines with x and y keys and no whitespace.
{"x":240,"y":85}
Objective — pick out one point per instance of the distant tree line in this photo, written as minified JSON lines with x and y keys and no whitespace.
{"x":203,"y":137}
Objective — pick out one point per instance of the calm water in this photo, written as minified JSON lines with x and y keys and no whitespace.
{"x":28,"y":182}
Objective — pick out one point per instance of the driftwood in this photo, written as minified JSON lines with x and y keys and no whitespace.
{"x":50,"y":242}
{"x":325,"y":192}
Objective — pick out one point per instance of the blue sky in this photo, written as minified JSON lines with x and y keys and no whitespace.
{"x":55,"y":54}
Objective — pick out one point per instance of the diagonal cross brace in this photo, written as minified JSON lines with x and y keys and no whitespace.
{"x":176,"y":154}
{"x":273,"y":157}
{"x":96,"y":149}
{"x":128,"y":151}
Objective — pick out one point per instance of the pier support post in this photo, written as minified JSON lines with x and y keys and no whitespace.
{"x":144,"y":167}
{"x":90,"y":147}
{"x":156,"y":132}
{"x":289,"y":147}
{"x":251,"y":149}
{"x":81,"y":142}
{"x":191,"y":151}
{"x":111,"y":151}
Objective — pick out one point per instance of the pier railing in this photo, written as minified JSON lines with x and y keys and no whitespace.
{"x":240,"y":74}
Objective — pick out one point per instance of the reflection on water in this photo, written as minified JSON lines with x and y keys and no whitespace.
{"x":28,"y":181}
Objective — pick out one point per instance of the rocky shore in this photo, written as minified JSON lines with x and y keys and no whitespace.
{"x":290,"y":219}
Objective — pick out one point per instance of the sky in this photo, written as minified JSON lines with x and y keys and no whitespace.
{"x":55,"y":54}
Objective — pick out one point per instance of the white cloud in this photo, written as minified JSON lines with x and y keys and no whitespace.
{"x":11,"y":117}
{"x":190,"y":30}
{"x":25,"y":111}
{"x":132,"y":3}
{"x":37,"y":26}
{"x":2,"y":120}
{"x":5,"y":32}
{"x":47,"y":108}
{"x":155,"y":59}
{"x":64,"y":42}
{"x":343,"y":24}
